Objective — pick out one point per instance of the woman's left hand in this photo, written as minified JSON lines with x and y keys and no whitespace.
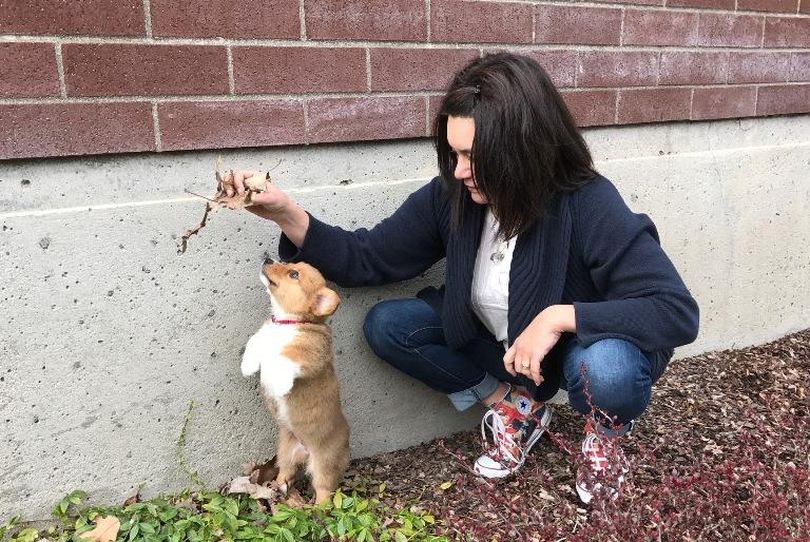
{"x":534,"y":343}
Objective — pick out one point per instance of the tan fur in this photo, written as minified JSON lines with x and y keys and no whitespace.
{"x":314,"y":431}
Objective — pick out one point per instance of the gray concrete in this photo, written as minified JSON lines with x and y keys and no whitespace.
{"x":106,"y":334}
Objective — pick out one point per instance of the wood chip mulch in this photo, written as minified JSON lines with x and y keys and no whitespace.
{"x":721,"y":454}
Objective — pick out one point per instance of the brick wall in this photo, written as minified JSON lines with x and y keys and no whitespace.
{"x":105,"y":76}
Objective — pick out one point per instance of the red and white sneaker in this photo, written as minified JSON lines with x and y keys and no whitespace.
{"x":509,"y":431}
{"x":603,"y":471}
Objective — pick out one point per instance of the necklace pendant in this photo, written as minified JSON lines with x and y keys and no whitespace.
{"x":497,"y":257}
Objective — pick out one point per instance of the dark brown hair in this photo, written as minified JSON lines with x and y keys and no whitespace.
{"x":527,"y":147}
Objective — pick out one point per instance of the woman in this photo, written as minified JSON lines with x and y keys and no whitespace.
{"x":551,"y":281}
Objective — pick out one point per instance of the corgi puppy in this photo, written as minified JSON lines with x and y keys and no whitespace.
{"x":293,"y":353}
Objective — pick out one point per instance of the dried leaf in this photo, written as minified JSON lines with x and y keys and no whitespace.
{"x":106,"y":530}
{"x":243,"y":485}
{"x":253,"y":185}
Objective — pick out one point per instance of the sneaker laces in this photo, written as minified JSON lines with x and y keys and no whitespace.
{"x":594,"y":451}
{"x":504,"y":446}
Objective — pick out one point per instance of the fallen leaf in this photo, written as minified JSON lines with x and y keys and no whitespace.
{"x":243,"y":485}
{"x":253,"y":185}
{"x":106,"y":530}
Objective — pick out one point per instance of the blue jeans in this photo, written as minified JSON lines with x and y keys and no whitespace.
{"x":408,"y":334}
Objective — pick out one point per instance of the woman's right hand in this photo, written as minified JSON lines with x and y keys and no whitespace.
{"x":272,"y":204}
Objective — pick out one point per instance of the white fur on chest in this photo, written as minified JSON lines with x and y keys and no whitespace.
{"x":263,"y":353}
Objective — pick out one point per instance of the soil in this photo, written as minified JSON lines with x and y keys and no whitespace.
{"x":721,"y":453}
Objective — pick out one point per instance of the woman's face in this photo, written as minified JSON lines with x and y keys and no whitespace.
{"x":460,"y":135}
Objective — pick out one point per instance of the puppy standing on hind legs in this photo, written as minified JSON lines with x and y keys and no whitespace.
{"x":293,"y":352}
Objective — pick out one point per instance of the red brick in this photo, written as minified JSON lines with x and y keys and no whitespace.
{"x":784,"y":6}
{"x":298,"y":69}
{"x":366,"y":19}
{"x":654,"y":105}
{"x":230,"y":124}
{"x":660,"y":28}
{"x":591,"y":107}
{"x":617,"y":69}
{"x":724,"y":102}
{"x":730,"y":30}
{"x":144,"y":70}
{"x":416,"y":69}
{"x":783,"y":100}
{"x":242,"y":19}
{"x":561,"y":66}
{"x":28,"y":70}
{"x":85,"y":17}
{"x":359,"y":119}
{"x":800,"y":67}
{"x":693,"y":68}
{"x":434,"y":104}
{"x":804,"y":7}
{"x":708,"y":4}
{"x":480,"y":22}
{"x":787,"y":32}
{"x":69,"y":129}
{"x":637,"y":2}
{"x":758,"y":67}
{"x":577,"y":25}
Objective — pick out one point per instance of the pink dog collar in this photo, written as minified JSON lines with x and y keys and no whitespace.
{"x":284,"y":322}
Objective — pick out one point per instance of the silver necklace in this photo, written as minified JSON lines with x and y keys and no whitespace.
{"x":500,"y":252}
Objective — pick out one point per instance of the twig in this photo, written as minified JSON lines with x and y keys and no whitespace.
{"x":187,"y":191}
{"x":193,"y":231}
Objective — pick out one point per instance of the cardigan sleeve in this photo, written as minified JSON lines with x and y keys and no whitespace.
{"x":644,"y":299}
{"x":400,"y":247}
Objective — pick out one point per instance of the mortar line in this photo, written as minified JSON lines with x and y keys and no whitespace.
{"x":427,"y":117}
{"x":231,"y":82}
{"x":691,"y":104}
{"x":427,"y":19}
{"x":302,"y":17}
{"x":292,"y":98}
{"x":156,"y":126}
{"x":368,"y":69}
{"x":147,"y":18}
{"x":338,"y":44}
{"x":60,"y":70}
{"x":305,"y":105}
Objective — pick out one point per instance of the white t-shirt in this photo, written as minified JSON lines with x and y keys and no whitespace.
{"x":490,"y":283}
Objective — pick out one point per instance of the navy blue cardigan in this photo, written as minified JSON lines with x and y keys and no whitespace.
{"x":589,"y":250}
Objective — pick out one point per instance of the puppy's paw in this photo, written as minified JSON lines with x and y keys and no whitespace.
{"x":250,"y":365}
{"x":279,"y":376}
{"x":251,"y":359}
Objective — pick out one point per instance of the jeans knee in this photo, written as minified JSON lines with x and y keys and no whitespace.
{"x":378,"y":328}
{"x":614,"y":377}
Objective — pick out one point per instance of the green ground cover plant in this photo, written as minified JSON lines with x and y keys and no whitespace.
{"x":210,"y":516}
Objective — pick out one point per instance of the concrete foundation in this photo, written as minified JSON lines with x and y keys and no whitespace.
{"x":107,"y":334}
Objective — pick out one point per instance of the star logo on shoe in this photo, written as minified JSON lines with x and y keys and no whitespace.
{"x":524,"y":406}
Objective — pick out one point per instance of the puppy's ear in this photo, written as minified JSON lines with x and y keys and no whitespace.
{"x":325,"y":302}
